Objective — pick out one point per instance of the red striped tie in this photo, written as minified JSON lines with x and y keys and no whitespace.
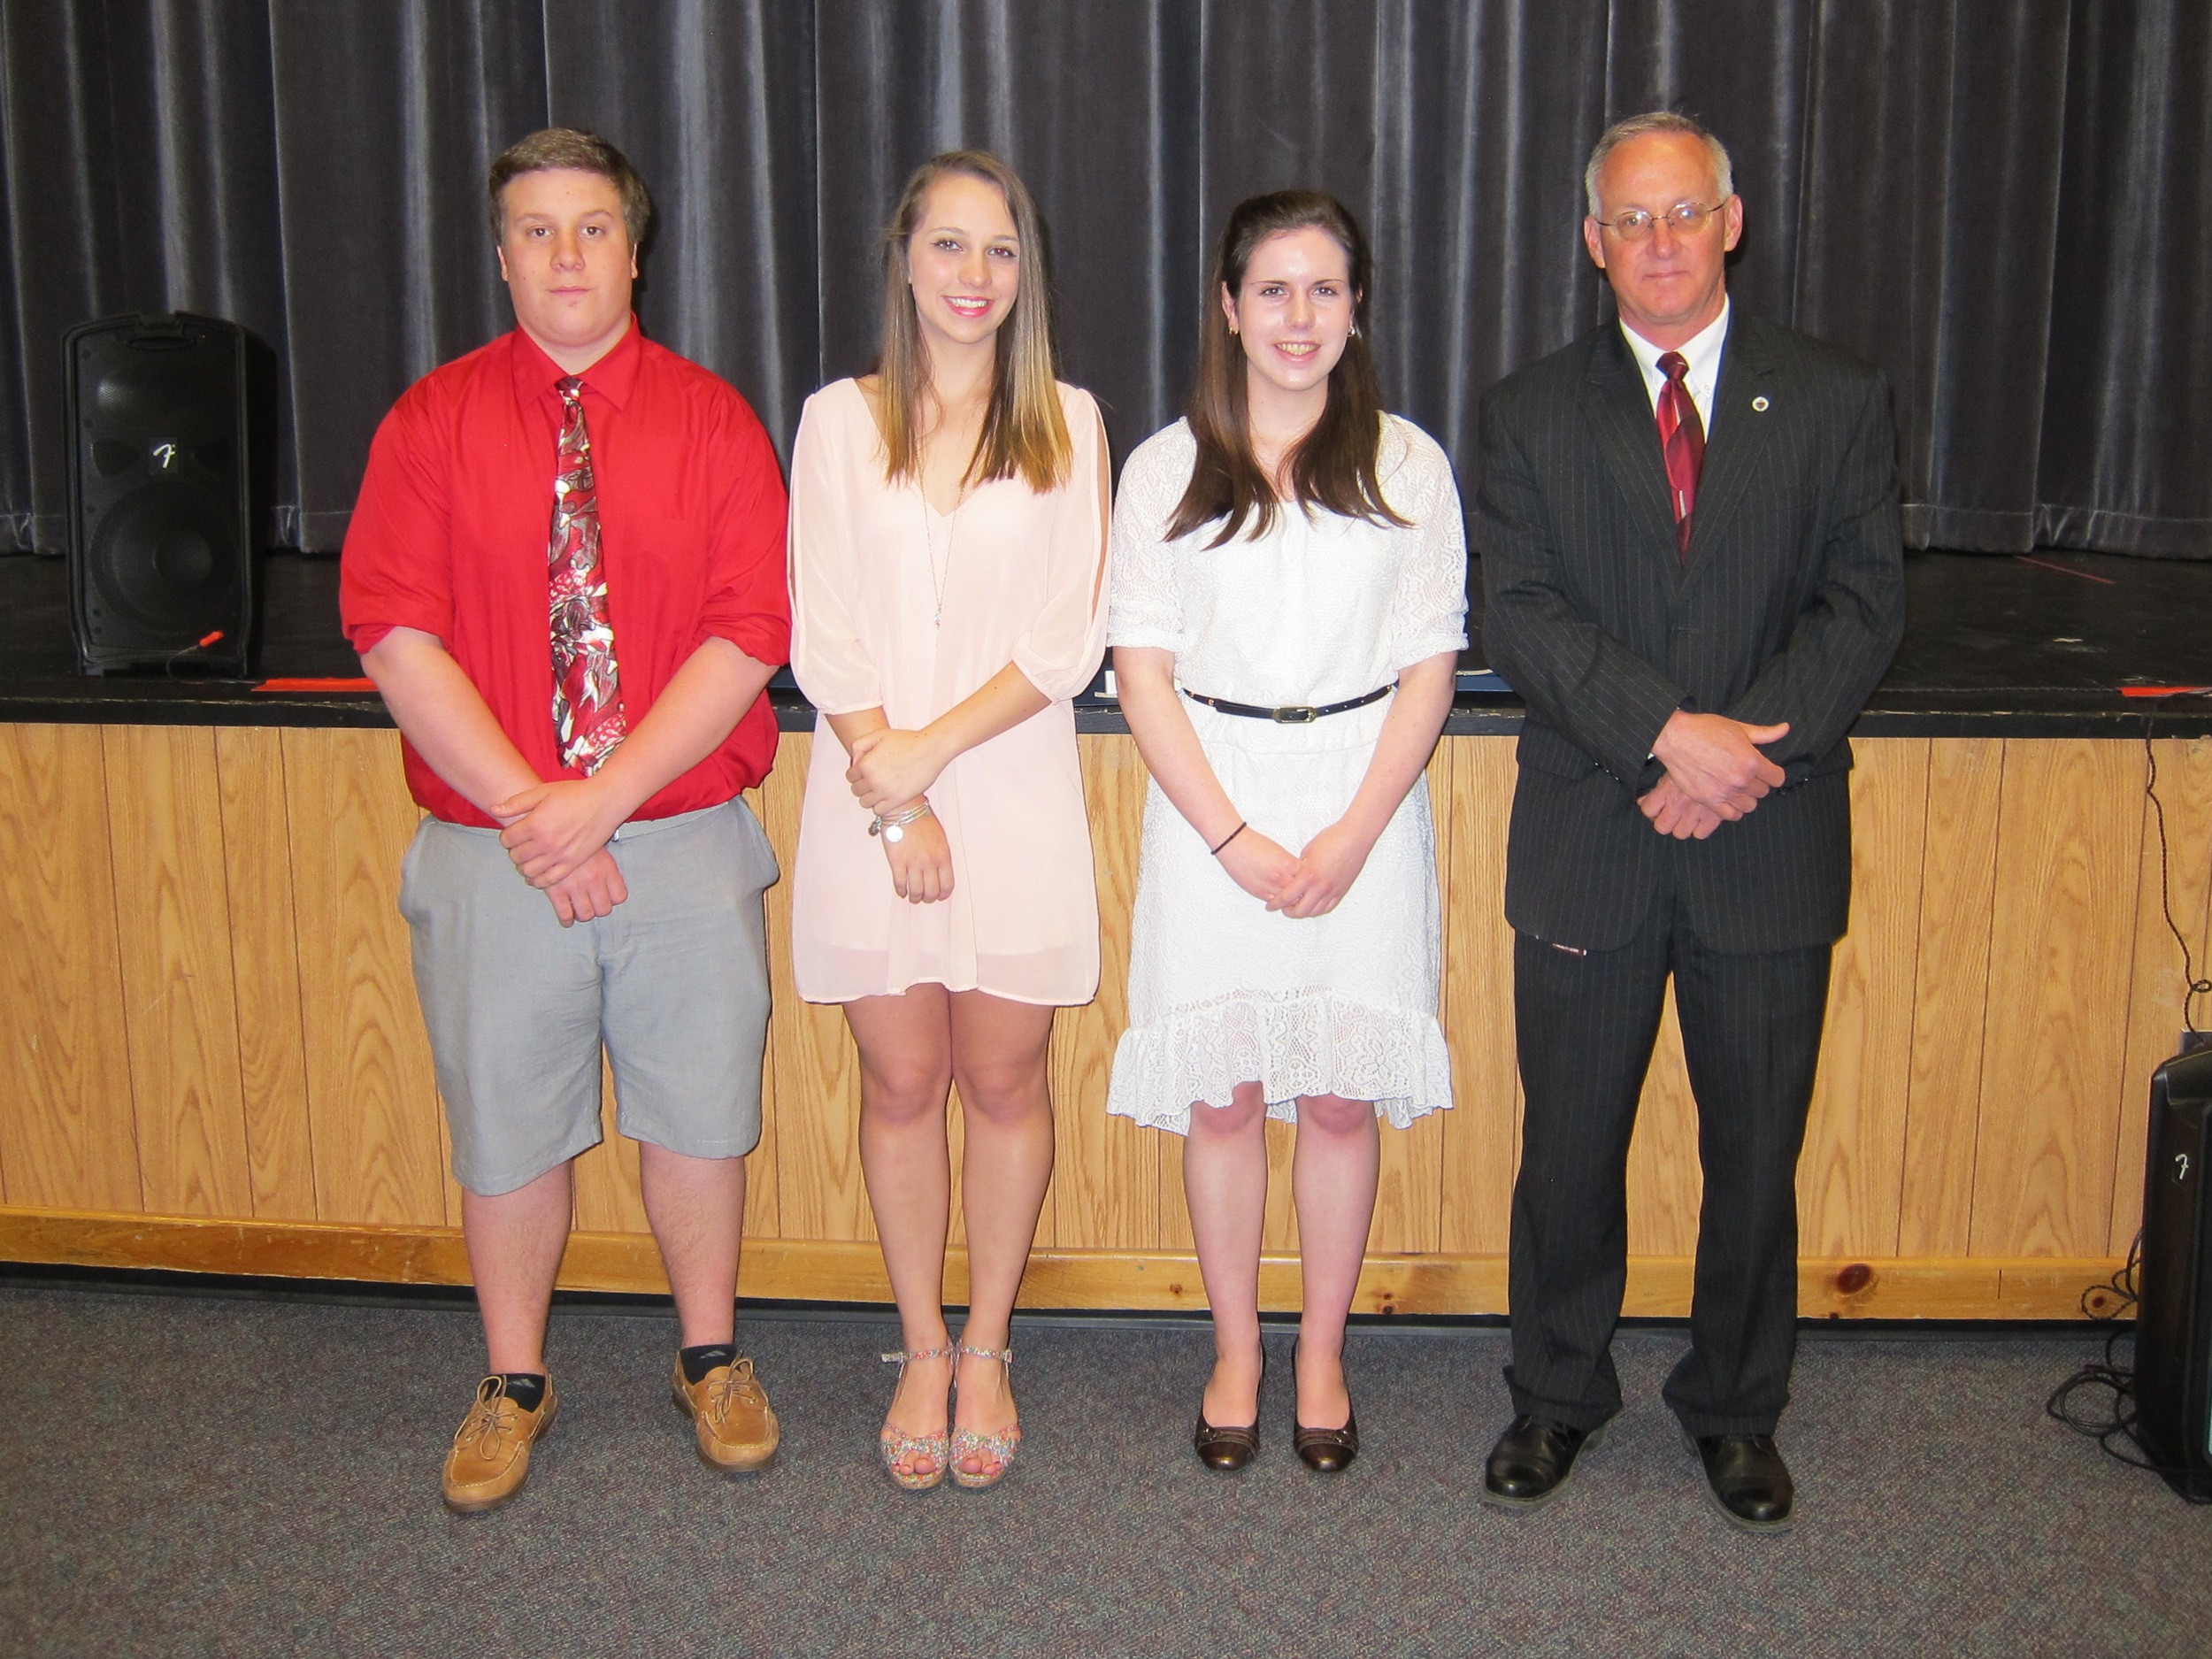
{"x":1682,"y":436}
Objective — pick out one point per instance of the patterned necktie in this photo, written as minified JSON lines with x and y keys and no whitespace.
{"x":1682,"y":436}
{"x":586,"y":688}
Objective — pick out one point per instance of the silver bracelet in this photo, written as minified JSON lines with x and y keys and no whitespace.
{"x":892,"y":825}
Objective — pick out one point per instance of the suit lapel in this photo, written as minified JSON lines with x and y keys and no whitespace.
{"x":1619,"y":412}
{"x":1739,"y":437}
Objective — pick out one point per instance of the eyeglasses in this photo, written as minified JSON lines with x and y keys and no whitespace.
{"x":1684,"y":218}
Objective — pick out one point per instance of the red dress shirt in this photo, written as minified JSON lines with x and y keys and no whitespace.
{"x":450,"y":537}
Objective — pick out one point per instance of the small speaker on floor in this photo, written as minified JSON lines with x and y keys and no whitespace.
{"x":2173,"y":1332}
{"x":160,"y":516}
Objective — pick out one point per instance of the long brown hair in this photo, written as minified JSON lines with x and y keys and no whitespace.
{"x":1023,"y":430}
{"x":1333,"y":466}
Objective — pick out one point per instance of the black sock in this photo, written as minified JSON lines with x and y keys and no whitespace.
{"x":525,"y":1388}
{"x":700,"y":1360}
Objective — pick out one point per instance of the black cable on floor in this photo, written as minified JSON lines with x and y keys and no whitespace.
{"x":2111,"y":1421}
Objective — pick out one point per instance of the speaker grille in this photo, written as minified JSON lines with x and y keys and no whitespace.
{"x":164,"y":559}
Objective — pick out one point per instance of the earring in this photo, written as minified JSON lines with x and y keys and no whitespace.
{"x":1355,"y":331}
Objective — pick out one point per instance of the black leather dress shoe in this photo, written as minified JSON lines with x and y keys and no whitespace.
{"x":1531,"y":1461}
{"x":1747,"y":1480}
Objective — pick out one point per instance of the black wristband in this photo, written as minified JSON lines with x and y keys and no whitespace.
{"x":1225,"y":839}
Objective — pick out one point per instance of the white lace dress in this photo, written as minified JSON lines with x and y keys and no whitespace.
{"x":1222,"y":992}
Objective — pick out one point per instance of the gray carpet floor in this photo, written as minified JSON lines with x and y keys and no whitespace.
{"x":197,"y":1475}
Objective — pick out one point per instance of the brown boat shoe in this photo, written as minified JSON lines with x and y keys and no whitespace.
{"x":491,"y":1450}
{"x":729,"y":1412}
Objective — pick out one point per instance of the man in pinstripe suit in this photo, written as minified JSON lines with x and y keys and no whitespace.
{"x":1695,"y":627}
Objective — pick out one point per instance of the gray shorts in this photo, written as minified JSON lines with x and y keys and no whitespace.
{"x":674,"y":981}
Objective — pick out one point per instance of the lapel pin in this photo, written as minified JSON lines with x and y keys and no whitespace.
{"x":1760,"y":404}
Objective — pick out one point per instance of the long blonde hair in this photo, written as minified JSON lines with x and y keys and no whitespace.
{"x":1023,"y":430}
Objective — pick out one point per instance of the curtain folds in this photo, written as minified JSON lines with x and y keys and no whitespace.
{"x":2005,"y":203}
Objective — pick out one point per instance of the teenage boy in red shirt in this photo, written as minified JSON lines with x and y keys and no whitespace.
{"x":565,"y":574}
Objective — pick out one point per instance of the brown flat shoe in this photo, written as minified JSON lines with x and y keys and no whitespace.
{"x":1328,"y":1451}
{"x":1227,"y":1447}
{"x":736,"y":1431}
{"x":490,"y":1457}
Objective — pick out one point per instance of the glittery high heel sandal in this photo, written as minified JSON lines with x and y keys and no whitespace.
{"x":898,"y":1448}
{"x":997,"y":1450}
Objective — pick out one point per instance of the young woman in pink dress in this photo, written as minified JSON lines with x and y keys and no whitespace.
{"x":949,"y":527}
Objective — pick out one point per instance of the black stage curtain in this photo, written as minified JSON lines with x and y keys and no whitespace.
{"x":2004,"y":203}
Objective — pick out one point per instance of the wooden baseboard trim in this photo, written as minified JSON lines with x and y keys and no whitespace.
{"x":827,"y":1270}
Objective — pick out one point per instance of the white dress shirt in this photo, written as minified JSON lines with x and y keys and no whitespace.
{"x":1703,"y":353}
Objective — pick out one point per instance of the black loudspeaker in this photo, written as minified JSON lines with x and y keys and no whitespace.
{"x":160,"y":512}
{"x":2173,"y":1331}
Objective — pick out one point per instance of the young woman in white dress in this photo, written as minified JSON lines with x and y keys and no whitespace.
{"x":1288,"y":600}
{"x":948,"y":522}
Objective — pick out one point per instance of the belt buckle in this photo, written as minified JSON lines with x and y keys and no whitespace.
{"x":1301,"y":714}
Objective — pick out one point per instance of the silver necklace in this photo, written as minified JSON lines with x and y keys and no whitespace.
{"x":940,"y":580}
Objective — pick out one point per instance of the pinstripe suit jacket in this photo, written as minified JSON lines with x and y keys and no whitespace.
{"x":1788,"y":607}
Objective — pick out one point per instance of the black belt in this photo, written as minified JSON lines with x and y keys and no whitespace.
{"x":1297,"y":714}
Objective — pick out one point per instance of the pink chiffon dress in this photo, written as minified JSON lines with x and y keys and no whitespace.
{"x":1015,"y":577}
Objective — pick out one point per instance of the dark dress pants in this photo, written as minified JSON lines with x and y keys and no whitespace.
{"x":1585,"y":1024}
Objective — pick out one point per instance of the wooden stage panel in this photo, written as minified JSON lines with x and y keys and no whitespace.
{"x":68,"y":1135}
{"x":181,"y":1016}
{"x":1175,"y":1233}
{"x":372,"y":1096}
{"x":2069,"y":851}
{"x":1958,"y":877}
{"x":265,"y":970}
{"x":1850,"y":1176}
{"x":819,"y":1192}
{"x":1481,"y":1134}
{"x":220,"y":1034}
{"x":1106,"y":1180}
